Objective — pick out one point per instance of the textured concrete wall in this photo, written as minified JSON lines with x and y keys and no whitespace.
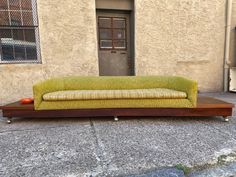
{"x":68,"y":47}
{"x":181,"y":37}
{"x":177,"y":37}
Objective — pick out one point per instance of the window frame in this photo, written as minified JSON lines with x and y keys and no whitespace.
{"x":35,"y":27}
{"x":112,"y":34}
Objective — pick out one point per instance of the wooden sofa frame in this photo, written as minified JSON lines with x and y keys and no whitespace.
{"x":206,"y":106}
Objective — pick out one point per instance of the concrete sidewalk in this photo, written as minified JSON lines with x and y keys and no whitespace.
{"x":102,"y":147}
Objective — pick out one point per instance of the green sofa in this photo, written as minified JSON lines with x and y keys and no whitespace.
{"x":91,"y":92}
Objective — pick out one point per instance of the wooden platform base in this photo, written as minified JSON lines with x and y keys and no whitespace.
{"x":206,"y":106}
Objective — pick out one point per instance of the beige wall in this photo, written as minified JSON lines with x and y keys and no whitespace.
{"x":114,"y":4}
{"x":68,"y":47}
{"x":177,"y":37}
{"x":181,"y":37}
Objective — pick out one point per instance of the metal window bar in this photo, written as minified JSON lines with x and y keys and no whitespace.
{"x":19,"y":34}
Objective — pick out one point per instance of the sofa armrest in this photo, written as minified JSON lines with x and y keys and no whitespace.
{"x":188,"y":86}
{"x":41,"y":88}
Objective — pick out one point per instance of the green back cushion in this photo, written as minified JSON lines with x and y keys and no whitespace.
{"x":120,"y":82}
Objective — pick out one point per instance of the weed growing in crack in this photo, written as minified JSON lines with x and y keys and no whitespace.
{"x":184,"y":168}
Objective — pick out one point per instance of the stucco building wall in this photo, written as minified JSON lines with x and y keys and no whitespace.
{"x":182,"y":37}
{"x":178,"y":37}
{"x":68,"y":47}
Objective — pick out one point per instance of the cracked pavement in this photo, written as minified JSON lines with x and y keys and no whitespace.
{"x":144,"y":146}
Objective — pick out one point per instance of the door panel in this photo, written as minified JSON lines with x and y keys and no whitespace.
{"x":113,"y":44}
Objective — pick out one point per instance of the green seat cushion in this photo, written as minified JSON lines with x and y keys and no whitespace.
{"x":116,"y":103}
{"x":156,"y":93}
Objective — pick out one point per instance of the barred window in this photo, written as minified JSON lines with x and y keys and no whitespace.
{"x":112,"y":33}
{"x":19,"y":41}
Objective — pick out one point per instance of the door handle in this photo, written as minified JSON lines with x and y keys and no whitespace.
{"x":123,"y":53}
{"x":113,"y":51}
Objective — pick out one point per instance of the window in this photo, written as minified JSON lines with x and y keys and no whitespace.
{"x":19,"y":41}
{"x":112,"y":33}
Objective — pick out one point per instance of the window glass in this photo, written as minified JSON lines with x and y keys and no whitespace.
{"x":119,"y":44}
{"x":30,"y":35}
{"x":5,"y":33}
{"x":112,"y":33}
{"x":3,"y":5}
{"x":16,"y":18}
{"x":105,"y":34}
{"x":14,"y":4}
{"x":4,"y":18}
{"x":18,"y":44}
{"x":104,"y":22}
{"x":119,"y":34}
{"x":119,"y":23}
{"x":18,"y":34}
{"x":7,"y":52}
{"x":19,"y":52}
{"x":18,"y":27}
{"x":106,"y":44}
{"x":27,"y":18}
{"x":26,"y":5}
{"x":31,"y":52}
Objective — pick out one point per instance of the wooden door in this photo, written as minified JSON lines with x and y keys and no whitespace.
{"x":114,"y":44}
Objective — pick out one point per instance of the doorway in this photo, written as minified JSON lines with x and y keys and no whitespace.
{"x":114,"y":43}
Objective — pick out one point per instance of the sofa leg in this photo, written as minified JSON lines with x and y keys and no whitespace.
{"x":226,"y":119}
{"x":116,"y":118}
{"x":9,"y":120}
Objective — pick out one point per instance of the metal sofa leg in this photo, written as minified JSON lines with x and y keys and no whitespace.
{"x":226,"y":119}
{"x":9,"y":120}
{"x":116,"y":118}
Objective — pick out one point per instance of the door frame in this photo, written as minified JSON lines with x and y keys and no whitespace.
{"x":132,"y":33}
